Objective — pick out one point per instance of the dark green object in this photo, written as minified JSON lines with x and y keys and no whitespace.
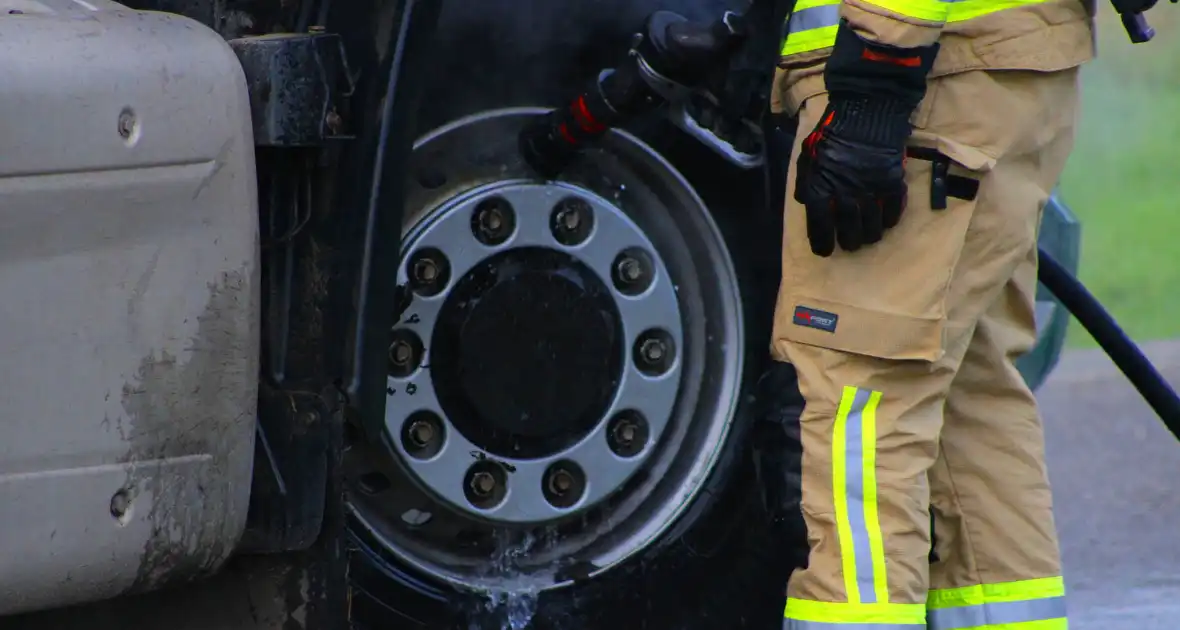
{"x":1061,"y":236}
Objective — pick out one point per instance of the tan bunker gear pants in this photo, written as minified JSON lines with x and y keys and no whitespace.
{"x":914,"y":410}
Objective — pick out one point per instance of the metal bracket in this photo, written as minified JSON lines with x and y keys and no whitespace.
{"x":738,"y":141}
{"x":298,"y":84}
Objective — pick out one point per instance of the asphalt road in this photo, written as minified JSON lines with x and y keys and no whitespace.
{"x":1116,"y":476}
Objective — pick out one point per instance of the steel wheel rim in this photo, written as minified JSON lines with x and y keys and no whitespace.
{"x":689,"y":249}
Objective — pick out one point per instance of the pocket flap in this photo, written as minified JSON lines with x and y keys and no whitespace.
{"x":864,"y":331}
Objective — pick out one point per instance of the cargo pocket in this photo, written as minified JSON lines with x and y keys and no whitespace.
{"x":886,"y":300}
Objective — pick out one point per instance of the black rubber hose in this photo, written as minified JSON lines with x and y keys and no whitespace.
{"x":1110,"y":336}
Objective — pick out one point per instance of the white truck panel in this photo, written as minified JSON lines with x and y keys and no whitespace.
{"x":129,"y":323}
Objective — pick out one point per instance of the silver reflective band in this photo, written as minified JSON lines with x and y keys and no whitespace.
{"x":854,"y":487}
{"x":795,"y":624}
{"x":984,"y":615}
{"x":813,"y":18}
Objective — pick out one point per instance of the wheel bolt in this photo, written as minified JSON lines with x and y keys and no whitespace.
{"x":493,"y":221}
{"x":560,"y":482}
{"x":571,"y":221}
{"x":653,"y":351}
{"x":425,"y":271}
{"x":630,"y":269}
{"x":421,"y":433}
{"x":400,"y":352}
{"x":483,"y":483}
{"x":405,"y":352}
{"x":568,"y":219}
{"x":429,"y":271}
{"x":627,"y":434}
{"x":564,"y":484}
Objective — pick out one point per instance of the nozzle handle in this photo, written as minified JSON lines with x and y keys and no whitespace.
{"x":1137,"y":27}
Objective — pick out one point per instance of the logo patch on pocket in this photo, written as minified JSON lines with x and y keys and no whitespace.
{"x":814,"y":318}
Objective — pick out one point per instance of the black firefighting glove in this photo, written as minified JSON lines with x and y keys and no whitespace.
{"x":850,"y":174}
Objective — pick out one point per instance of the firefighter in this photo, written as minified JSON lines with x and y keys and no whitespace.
{"x":930,"y":135}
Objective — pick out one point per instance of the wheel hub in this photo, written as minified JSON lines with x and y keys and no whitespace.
{"x":532,"y":354}
{"x":528,"y":352}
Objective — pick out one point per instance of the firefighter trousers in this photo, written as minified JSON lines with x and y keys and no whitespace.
{"x":925,"y":495}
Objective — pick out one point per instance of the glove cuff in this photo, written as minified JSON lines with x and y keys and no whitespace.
{"x":860,"y":68}
{"x":883,"y":122}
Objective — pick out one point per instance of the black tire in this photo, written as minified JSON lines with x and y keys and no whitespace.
{"x":723,"y":564}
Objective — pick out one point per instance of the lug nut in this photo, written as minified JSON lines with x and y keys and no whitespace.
{"x":564,"y":484}
{"x":632,"y":271}
{"x":405,"y":352}
{"x":493,"y":221}
{"x":654,"y":352}
{"x":568,"y":219}
{"x":627,"y":434}
{"x":429,"y":271}
{"x":560,"y":482}
{"x":571,"y":221}
{"x":483,"y":483}
{"x":400,"y":352}
{"x":421,"y":433}
{"x":425,"y":271}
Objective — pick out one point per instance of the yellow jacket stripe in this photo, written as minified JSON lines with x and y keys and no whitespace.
{"x":858,"y":526}
{"x":1028,"y":605}
{"x":812,"y":25}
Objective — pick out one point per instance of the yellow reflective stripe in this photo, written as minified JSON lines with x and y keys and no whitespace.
{"x":807,"y":41}
{"x":811,"y":26}
{"x":872,"y":520}
{"x":993,"y":593}
{"x":928,"y":10}
{"x":811,"y":4}
{"x":840,"y":490}
{"x":835,"y":612}
{"x":813,"y":23}
{"x":968,"y":9}
{"x":1037,"y":604}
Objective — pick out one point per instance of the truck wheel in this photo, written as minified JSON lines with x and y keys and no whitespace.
{"x":567,"y":441}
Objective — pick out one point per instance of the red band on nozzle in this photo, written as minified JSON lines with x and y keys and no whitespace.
{"x":585,"y":119}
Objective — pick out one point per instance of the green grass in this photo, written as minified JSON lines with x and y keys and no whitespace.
{"x":1123,"y":178}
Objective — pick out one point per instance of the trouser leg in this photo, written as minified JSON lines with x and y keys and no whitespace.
{"x":869,"y":433}
{"x":997,"y":559}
